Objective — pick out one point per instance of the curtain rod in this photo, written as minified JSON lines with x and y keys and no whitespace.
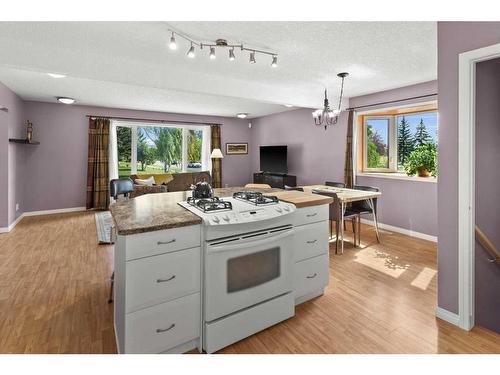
{"x":154,"y":120}
{"x":391,"y":101}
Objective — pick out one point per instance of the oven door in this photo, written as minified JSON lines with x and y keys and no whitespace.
{"x":246,"y":270}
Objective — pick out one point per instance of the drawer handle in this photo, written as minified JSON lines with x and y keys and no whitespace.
{"x":161,"y":330}
{"x":313,"y":276}
{"x":311,"y":215}
{"x":165,"y":280}
{"x":165,"y":242}
{"x":313,"y":241}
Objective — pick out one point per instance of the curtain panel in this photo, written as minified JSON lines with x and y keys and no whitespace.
{"x":349,"y":165}
{"x":97,"y":166}
{"x":216,"y":163}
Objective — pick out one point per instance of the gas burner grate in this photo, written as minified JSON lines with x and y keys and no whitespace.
{"x":255,"y":197}
{"x":210,"y":204}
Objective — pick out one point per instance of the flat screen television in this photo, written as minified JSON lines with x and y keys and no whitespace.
{"x":273,"y":159}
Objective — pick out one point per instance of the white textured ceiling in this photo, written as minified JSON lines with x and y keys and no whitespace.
{"x":128,"y":64}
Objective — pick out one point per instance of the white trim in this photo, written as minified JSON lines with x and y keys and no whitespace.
{"x":405,"y":231}
{"x":56,"y":211}
{"x":397,"y":176}
{"x":391,"y":108}
{"x":447,"y":316}
{"x":12,"y":225}
{"x":466,"y":179}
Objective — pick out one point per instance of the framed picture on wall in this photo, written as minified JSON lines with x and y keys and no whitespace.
{"x":236,"y":148}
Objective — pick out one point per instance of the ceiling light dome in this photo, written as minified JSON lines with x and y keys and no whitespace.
{"x":65,"y":100}
{"x":242,"y":115}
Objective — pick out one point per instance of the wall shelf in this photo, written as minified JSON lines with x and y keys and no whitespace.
{"x":23,"y":141}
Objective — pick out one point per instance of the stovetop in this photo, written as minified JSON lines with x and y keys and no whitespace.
{"x":236,"y":210}
{"x":210,"y":204}
{"x":255,"y":198}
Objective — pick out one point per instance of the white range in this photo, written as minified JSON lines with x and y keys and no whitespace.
{"x":248,"y":265}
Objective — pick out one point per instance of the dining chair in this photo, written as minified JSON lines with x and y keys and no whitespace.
{"x":258,"y":186}
{"x":335,"y":184}
{"x":117,"y":187}
{"x":334,"y":215}
{"x":364,"y":207}
{"x":293,"y":188}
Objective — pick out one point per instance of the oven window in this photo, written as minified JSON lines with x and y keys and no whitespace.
{"x":253,"y":269}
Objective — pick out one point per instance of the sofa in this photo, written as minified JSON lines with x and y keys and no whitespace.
{"x":166,"y":182}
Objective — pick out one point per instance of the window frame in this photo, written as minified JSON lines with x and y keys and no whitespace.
{"x":390,"y":143}
{"x":392,"y":113}
{"x":205,"y":129}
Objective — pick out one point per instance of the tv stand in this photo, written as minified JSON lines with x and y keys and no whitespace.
{"x":275,"y":180}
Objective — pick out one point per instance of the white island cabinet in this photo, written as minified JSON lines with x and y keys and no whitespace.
{"x":157,"y":302}
{"x":311,"y":248}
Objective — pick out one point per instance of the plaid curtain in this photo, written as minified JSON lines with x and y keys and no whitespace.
{"x":216,"y":163}
{"x":349,"y":168}
{"x":97,"y":167}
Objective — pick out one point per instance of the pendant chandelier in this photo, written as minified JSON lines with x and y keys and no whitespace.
{"x":326,"y":116}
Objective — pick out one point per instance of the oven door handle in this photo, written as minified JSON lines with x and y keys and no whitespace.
{"x":237,"y":245}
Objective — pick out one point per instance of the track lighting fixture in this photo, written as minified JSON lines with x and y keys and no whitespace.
{"x":191,"y":51}
{"x":173,"y":43}
{"x":274,"y":64}
{"x":220,"y":43}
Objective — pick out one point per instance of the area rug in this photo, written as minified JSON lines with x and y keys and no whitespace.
{"x":103,"y":223}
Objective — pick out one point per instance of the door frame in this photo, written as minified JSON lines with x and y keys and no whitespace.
{"x":466,"y":179}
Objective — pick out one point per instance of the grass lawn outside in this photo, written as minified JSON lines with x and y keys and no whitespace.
{"x":124,"y":169}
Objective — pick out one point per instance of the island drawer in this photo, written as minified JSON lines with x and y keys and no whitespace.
{"x":162,"y":327}
{"x":312,"y":214}
{"x":162,"y":241}
{"x":311,"y":240}
{"x":311,"y":275}
{"x":162,"y":278}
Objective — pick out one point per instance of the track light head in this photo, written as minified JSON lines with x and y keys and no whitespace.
{"x":231,"y":54}
{"x":212,"y":53}
{"x":173,"y":44}
{"x":191,"y":51}
{"x":274,"y":64}
{"x":252,"y":57}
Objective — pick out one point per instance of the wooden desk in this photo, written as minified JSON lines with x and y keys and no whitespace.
{"x":347,"y":196}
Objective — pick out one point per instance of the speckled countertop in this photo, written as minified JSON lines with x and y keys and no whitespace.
{"x":151,"y":212}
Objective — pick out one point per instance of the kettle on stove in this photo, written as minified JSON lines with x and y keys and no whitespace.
{"x":202,"y":190}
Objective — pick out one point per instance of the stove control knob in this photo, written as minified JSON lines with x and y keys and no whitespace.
{"x":216,"y":219}
{"x":287,"y":208}
{"x":225,"y":218}
{"x":279,"y":209}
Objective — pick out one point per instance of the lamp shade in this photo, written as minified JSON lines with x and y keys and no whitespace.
{"x":216,"y":154}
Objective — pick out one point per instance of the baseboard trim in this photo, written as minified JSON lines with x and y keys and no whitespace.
{"x":405,"y":231}
{"x":56,"y":211}
{"x":447,"y":316}
{"x":38,"y":213}
{"x":12,"y":225}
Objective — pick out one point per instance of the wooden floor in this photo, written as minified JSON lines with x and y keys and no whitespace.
{"x":54,"y":282}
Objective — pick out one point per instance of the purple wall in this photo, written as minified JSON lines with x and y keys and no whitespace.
{"x":58,"y":166}
{"x":453,"y":39}
{"x":487,"y":309}
{"x":316,"y":156}
{"x":11,"y":155}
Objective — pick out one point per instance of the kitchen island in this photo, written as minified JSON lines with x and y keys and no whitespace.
{"x":159,"y":265}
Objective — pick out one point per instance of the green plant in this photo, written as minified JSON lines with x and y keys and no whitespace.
{"x":424,"y":157}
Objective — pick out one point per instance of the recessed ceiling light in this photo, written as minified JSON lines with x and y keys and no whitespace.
{"x":66,"y":100}
{"x":289,"y":105}
{"x":242,"y":115}
{"x":56,"y":75}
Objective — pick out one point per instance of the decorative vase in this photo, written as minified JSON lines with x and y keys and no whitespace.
{"x":29,"y":131}
{"x":423,"y":172}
